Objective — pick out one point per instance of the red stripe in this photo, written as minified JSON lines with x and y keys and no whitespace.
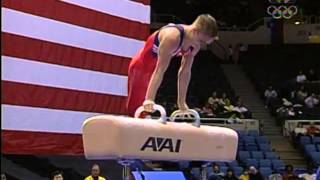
{"x":43,"y":51}
{"x":57,"y":98}
{"x":145,"y":2}
{"x":40,"y":143}
{"x":81,"y":16}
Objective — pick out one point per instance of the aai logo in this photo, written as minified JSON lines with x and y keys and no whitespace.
{"x":158,"y":144}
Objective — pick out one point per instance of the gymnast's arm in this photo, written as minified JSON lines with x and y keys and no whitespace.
{"x":184,"y":76}
{"x":169,"y":42}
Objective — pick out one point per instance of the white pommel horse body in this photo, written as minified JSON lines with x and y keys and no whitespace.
{"x":126,"y":138}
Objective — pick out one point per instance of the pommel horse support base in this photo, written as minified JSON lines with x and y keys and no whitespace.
{"x":119,"y":137}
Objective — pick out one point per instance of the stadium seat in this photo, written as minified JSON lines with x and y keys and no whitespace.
{"x":220,"y":163}
{"x":253,"y":133}
{"x":237,"y":170}
{"x":271,"y":155}
{"x":277,"y":164}
{"x":251,"y":147}
{"x":241,"y":133}
{"x":304,"y":140}
{"x":249,"y":140}
{"x":265,"y":172}
{"x":308,"y":148}
{"x":264,"y":147}
{"x":224,"y":169}
{"x":316,"y":140}
{"x":251,"y":162}
{"x":243,"y":155}
{"x":315,"y":156}
{"x":262,"y":140}
{"x":257,"y":155}
{"x":233,"y":164}
{"x":265,"y":163}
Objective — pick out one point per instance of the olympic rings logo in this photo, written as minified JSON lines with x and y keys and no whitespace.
{"x":279,"y":12}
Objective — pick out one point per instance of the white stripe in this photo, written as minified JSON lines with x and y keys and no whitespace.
{"x":42,"y":120}
{"x":32,"y":72}
{"x":63,"y":33}
{"x":122,"y":8}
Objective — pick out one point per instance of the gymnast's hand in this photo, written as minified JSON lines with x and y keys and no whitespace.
{"x":183,"y":106}
{"x":148,"y":106}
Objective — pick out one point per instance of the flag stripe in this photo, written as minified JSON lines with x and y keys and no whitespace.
{"x":81,"y":16}
{"x":57,"y":98}
{"x":145,"y":2}
{"x":54,"y":53}
{"x":37,"y":73}
{"x":41,"y":143}
{"x":24,"y":118}
{"x":37,"y":27}
{"x":120,"y":8}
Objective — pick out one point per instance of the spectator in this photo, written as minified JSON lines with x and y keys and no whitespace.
{"x":270,"y":94}
{"x":309,"y":175}
{"x":301,"y":94}
{"x":57,"y":175}
{"x":244,"y":175}
{"x":311,"y":101}
{"x":254,"y":174}
{"x":311,"y":76}
{"x":312,"y":130}
{"x":216,"y":173}
{"x":3,"y":176}
{"x":213,"y":99}
{"x":275,"y":175}
{"x":300,"y":130}
{"x":289,"y":174}
{"x":95,"y":173}
{"x":301,"y":78}
{"x":230,"y":175}
{"x":207,"y":111}
{"x":224,"y":101}
{"x":240,"y":108}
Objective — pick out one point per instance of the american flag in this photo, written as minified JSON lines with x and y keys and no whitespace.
{"x":62,"y":62}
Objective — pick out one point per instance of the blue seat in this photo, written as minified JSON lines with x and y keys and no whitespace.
{"x":318,"y":147}
{"x":243,"y":155}
{"x":233,"y":164}
{"x":254,"y":133}
{"x":304,"y":140}
{"x":315,"y":156}
{"x":251,"y":147}
{"x":262,"y":140}
{"x":237,"y":170}
{"x":308,"y":148}
{"x":251,"y":162}
{"x":241,"y":133}
{"x":264,"y":147}
{"x":277,"y":164}
{"x":265,"y":172}
{"x":224,"y":169}
{"x":316,"y":140}
{"x":220,"y":163}
{"x":257,"y":155}
{"x":270,"y":155}
{"x":249,"y":140}
{"x":265,"y":163}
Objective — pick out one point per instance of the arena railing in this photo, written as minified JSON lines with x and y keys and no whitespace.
{"x":290,"y":125}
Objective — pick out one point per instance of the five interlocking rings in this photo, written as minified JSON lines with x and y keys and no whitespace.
{"x":282,"y":11}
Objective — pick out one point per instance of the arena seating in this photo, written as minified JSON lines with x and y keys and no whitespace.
{"x":311,"y":147}
{"x":278,"y":66}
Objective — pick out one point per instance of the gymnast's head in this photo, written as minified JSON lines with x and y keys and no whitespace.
{"x":205,"y":29}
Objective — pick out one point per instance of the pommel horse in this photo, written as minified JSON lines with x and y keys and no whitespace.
{"x":127,"y":139}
